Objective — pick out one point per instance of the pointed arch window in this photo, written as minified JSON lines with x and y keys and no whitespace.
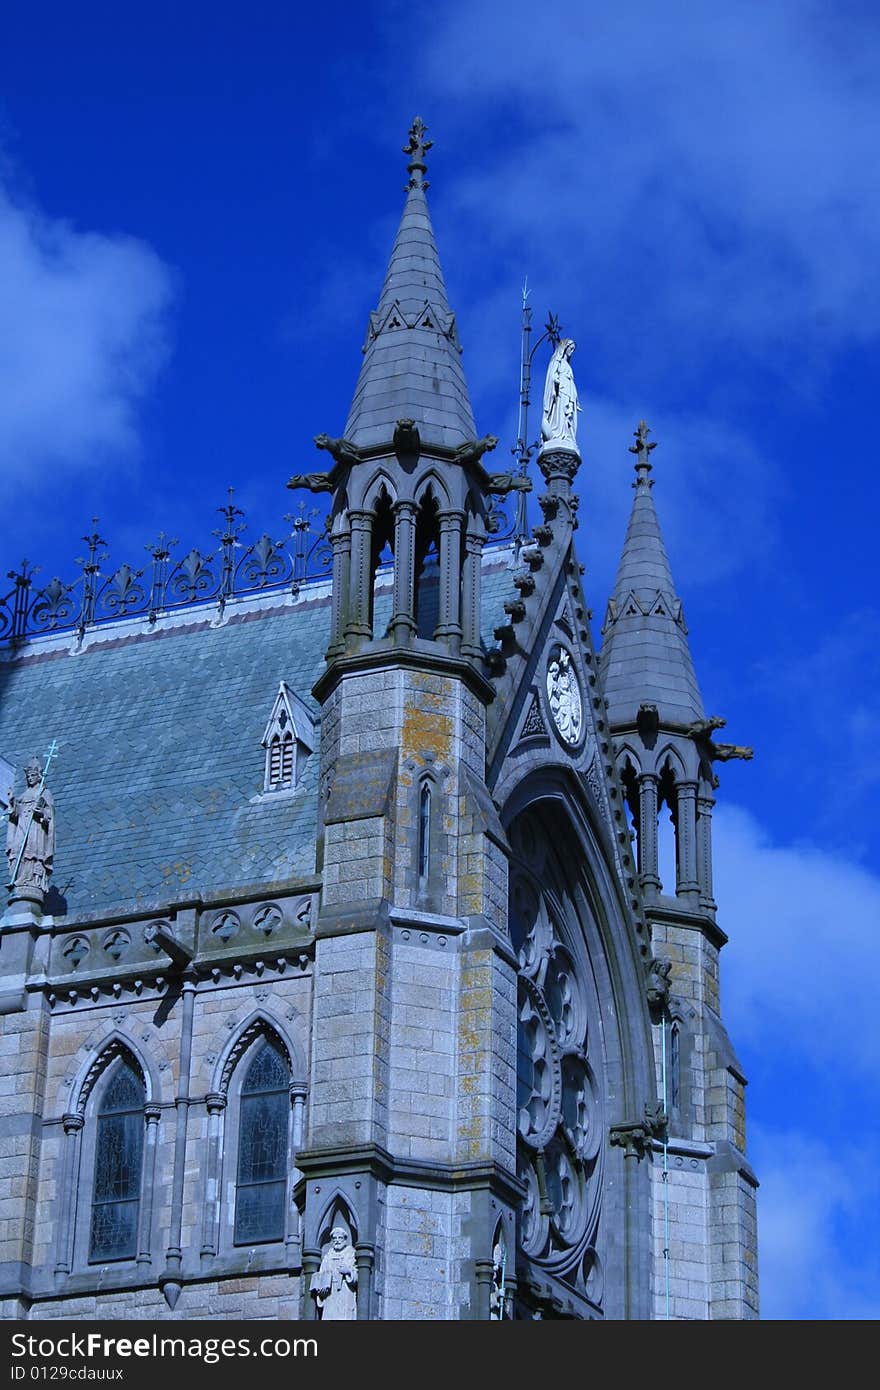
{"x":263,"y":1151}
{"x":427,"y":568}
{"x":119,"y":1158}
{"x":424,"y":831}
{"x":381,"y":559}
{"x":674,"y":1067}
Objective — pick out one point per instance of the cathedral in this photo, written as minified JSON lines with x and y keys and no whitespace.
{"x":342,"y":972}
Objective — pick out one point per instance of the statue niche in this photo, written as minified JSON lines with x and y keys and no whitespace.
{"x":334,"y":1286}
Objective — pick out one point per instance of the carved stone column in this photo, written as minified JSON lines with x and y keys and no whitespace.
{"x":358,"y":628}
{"x":705,"y":802}
{"x":403,"y":623}
{"x":340,"y":545}
{"x":449,"y":630}
{"x":365,"y":1259}
{"x":298,"y":1092}
{"x":470,"y":616}
{"x":686,"y":826}
{"x":145,"y":1222}
{"x":311,"y":1263}
{"x":292,"y":1232}
{"x":170,"y":1279}
{"x":648,"y":870}
{"x":484,"y":1271}
{"x":215,"y":1103}
{"x":72,"y":1125}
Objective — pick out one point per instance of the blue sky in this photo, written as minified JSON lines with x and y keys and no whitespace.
{"x":196,"y":208}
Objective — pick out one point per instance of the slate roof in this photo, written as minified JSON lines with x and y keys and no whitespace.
{"x":645,"y":656}
{"x":412,"y":363}
{"x":158,"y":783}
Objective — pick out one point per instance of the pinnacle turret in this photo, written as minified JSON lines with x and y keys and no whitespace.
{"x":645,"y":657}
{"x":412,"y":357}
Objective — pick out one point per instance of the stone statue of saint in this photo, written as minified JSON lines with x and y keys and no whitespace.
{"x":30,"y":835}
{"x":333,"y":1287}
{"x":559,"y":423}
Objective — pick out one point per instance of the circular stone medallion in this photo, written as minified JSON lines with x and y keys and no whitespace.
{"x":564,"y":696}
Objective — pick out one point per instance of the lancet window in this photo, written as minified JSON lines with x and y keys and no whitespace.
{"x":263,"y":1148}
{"x":119,"y":1154}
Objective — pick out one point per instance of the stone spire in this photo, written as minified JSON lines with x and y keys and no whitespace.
{"x":412,"y":356}
{"x":645,"y":657}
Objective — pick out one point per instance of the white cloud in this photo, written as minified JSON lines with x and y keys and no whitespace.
{"x":816,"y":1207}
{"x":799,"y":979}
{"x":798,"y":988}
{"x":82,"y":336}
{"x":700,"y":180}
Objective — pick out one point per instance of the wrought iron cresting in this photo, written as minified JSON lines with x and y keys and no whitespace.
{"x":233,"y":569}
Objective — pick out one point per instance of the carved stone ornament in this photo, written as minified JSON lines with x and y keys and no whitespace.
{"x":268,"y":919}
{"x":564,"y":697}
{"x":597,"y":786}
{"x":333,"y":1287}
{"x":657,"y":988}
{"x":533,"y":724}
{"x":30,"y":835}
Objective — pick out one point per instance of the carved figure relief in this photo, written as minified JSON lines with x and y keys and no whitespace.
{"x":333,"y":1287}
{"x":30,"y":835}
{"x":564,"y":697}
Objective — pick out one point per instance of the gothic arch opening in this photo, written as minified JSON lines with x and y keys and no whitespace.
{"x":381,"y":556}
{"x":561,"y":1076}
{"x":584,"y":1064}
{"x":427,"y":568}
{"x":667,"y":830}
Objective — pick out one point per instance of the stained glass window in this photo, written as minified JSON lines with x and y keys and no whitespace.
{"x":119,"y":1149}
{"x":262,"y":1149}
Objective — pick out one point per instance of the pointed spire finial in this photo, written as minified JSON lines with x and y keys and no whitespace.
{"x":418,"y":147}
{"x":642,"y":450}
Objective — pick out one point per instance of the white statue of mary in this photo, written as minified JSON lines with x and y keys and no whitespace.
{"x":559,"y":423}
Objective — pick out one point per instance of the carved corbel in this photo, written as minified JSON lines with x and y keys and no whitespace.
{"x":160,"y":934}
{"x":647,"y":719}
{"x":407,"y":440}
{"x":658,"y":984}
{"x":636,"y":1136}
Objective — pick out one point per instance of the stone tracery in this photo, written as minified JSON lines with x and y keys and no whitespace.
{"x":560,"y":1119}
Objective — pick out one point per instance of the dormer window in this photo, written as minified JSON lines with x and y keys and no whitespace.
{"x":281,"y":755}
{"x":288,"y":740}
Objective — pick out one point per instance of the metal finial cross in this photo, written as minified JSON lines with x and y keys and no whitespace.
{"x":417,"y":149}
{"x":642,"y":450}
